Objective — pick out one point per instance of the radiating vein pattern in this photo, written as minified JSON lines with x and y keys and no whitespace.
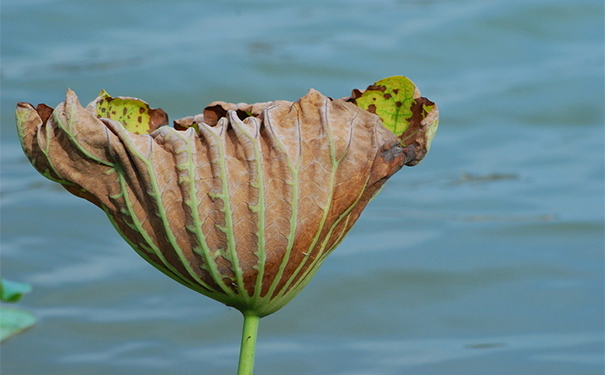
{"x":241,"y":203}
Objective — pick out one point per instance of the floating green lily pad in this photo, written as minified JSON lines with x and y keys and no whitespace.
{"x":14,"y":320}
{"x":12,"y":291}
{"x":134,"y":114}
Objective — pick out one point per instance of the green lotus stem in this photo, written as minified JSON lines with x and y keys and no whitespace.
{"x":248,"y":347}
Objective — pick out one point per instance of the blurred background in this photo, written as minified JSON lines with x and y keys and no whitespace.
{"x":485,"y":258}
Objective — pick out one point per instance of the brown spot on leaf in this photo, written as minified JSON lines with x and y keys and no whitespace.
{"x":377,"y":88}
{"x":140,"y":119}
{"x":141,"y":110}
{"x":398,"y":104}
{"x":124,"y":111}
{"x":415,"y":136}
{"x":387,"y":96}
{"x":396,"y":91}
{"x":355,"y":94}
{"x":372,"y":108}
{"x":418,"y":111}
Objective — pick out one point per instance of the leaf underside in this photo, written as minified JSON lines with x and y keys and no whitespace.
{"x":242,"y":202}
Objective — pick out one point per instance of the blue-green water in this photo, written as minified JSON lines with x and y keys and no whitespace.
{"x":487,"y":258}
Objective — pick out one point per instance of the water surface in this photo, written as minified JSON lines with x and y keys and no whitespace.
{"x":485,"y":258}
